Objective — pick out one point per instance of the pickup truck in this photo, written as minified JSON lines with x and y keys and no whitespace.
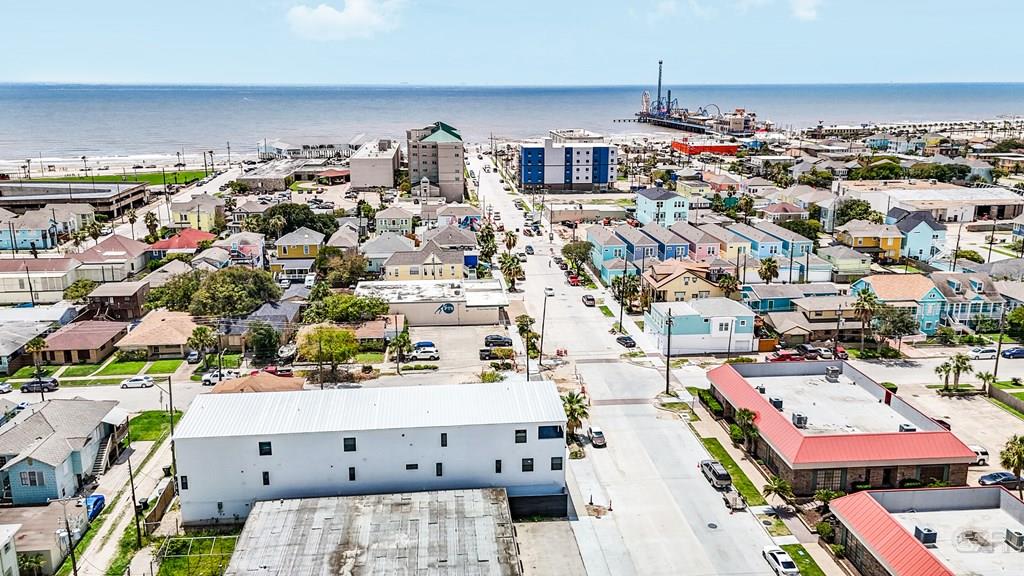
{"x":211,"y":378}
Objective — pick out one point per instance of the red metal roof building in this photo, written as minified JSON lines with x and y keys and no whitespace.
{"x":850,"y":432}
{"x":185,"y":241}
{"x":697,"y":147}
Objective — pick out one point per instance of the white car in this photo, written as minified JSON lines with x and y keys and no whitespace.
{"x":284,"y":283}
{"x":985,"y":353}
{"x":426,"y":353}
{"x":137,"y":382}
{"x":549,"y":291}
{"x":780,"y":562}
{"x":5,"y":387}
{"x":211,"y":378}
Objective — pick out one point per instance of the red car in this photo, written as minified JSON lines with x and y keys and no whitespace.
{"x":279,"y":370}
{"x":786,"y":356}
{"x":574,"y":280}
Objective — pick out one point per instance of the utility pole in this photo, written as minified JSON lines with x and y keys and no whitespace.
{"x":999,"y":343}
{"x":229,"y":154}
{"x":956,"y":251}
{"x":543,"y":323}
{"x":67,"y":529}
{"x":668,"y":350}
{"x":135,"y":505}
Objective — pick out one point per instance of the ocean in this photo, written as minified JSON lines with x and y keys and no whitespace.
{"x":67,"y":121}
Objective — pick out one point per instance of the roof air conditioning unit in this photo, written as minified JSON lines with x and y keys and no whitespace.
{"x":799,"y":420}
{"x":776,"y":403}
{"x":908,"y":428}
{"x":832,"y":374}
{"x":925,"y":535}
{"x":760,"y":389}
{"x":1015,"y":539}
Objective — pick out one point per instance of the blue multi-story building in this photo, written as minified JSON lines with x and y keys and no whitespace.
{"x":607,"y":253}
{"x":568,"y":166}
{"x":793,"y":244}
{"x":661,"y":206}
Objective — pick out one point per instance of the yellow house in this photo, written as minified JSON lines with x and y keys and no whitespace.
{"x":202,"y":212}
{"x":882,"y":241}
{"x":677,"y":281}
{"x":430,"y":262}
{"x":296,"y":254}
{"x":732,"y":244}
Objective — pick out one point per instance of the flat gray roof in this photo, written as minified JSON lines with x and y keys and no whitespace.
{"x":440,"y":533}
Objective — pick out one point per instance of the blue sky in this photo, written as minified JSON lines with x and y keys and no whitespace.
{"x":517,"y":42}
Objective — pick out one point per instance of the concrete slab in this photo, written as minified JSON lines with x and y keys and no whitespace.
{"x":549,"y":548}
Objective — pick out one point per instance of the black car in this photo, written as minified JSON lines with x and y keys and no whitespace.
{"x":626,"y":341}
{"x":1013,"y":353}
{"x":807,"y":351}
{"x":998,"y":479}
{"x":488,"y":354}
{"x":496,"y":341}
{"x":589,"y":300}
{"x":45,"y":384}
{"x":563,"y":266}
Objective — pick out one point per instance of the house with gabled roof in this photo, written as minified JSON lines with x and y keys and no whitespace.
{"x":915,"y":292}
{"x":184,"y":242}
{"x":113,"y":259}
{"x":970,"y":297}
{"x":661,"y":206}
{"x":377,"y":250}
{"x":762,"y":244}
{"x":702,"y":245}
{"x":923,"y":236}
{"x":393,"y":219}
{"x":670,"y":245}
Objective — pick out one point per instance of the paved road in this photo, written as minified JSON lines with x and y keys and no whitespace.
{"x":131,"y":399}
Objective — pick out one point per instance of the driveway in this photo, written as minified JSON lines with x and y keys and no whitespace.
{"x":459,"y":346}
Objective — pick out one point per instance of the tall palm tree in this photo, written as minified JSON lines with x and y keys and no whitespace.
{"x":1011,"y":457}
{"x":251,"y":223}
{"x":400,"y":346}
{"x":865,"y":308}
{"x":745,"y":420}
{"x":768,"y":270}
{"x":34,"y":347}
{"x":728,"y":284}
{"x":510,"y":240}
{"x":31,"y":564}
{"x":646,"y":297}
{"x":960,"y":363}
{"x":94,"y":230}
{"x":510,"y":268}
{"x":779,"y":487}
{"x":132,"y":216}
{"x":152,"y":223}
{"x":78,"y":238}
{"x":943,"y":371}
{"x":575,"y":405}
{"x":630,"y":288}
{"x":201,"y":340}
{"x":987,"y":380}
{"x":277,"y":224}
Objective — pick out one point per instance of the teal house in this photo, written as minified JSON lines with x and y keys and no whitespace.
{"x":914,"y":291}
{"x":923,"y":236}
{"x":50,"y":450}
{"x":607,"y":253}
{"x":661,"y":206}
{"x":701,"y":326}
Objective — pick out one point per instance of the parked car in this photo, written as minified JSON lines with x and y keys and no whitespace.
{"x":284,"y":283}
{"x":562,"y":265}
{"x":983,"y":353}
{"x":807,"y":351}
{"x":529,"y":249}
{"x":715,"y":473}
{"x":424,"y":344}
{"x":5,"y":387}
{"x":137,"y":382}
{"x":495,"y":340}
{"x":44,"y":384}
{"x":999,"y":479}
{"x":981,"y":454}
{"x":94,"y":504}
{"x":423,"y":354}
{"x":574,"y":280}
{"x":215,"y":376}
{"x":282,"y":371}
{"x":779,"y":561}
{"x":626,"y":341}
{"x":521,"y":256}
{"x":488,"y":354}
{"x":841,"y":353}
{"x":589,"y":300}
{"x":786,"y":356}
{"x":597,"y":439}
{"x":1015,"y":352}
{"x":193,"y":357}
{"x":549,"y":291}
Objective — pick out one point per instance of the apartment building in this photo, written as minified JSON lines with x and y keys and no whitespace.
{"x":374,"y":164}
{"x":575,"y":165}
{"x":436,"y":152}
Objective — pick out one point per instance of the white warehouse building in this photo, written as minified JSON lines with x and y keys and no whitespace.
{"x":374,"y":164}
{"x":233,"y":450}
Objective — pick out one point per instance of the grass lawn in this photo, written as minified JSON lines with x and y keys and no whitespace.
{"x":806,"y":564}
{"x":776,"y":527}
{"x":208,"y":557}
{"x":91,"y":382}
{"x":80,"y":370}
{"x":994,"y":337}
{"x":606,"y":311}
{"x":230,"y":361}
{"x":369,"y":358}
{"x":639,"y":324}
{"x":151,"y":178}
{"x":1008,"y":408}
{"x":164,"y":366}
{"x":151,"y":425}
{"x":122,"y":368}
{"x":1008,"y":385}
{"x":29,"y":371}
{"x":743,"y":484}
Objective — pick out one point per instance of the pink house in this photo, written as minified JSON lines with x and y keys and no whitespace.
{"x":702,"y":244}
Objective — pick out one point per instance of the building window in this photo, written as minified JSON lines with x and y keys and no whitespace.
{"x":412,"y":466}
{"x":556,"y":462}
{"x":284,"y":250}
{"x":520,"y":436}
{"x":497,"y":466}
{"x":32,"y":478}
{"x":829,"y":479}
{"x":350,"y":444}
{"x":305,"y":249}
{"x":438,"y":469}
{"x":351,"y":474}
{"x":183,"y":480}
{"x":527,"y":464}
{"x":266,"y":478}
{"x":723,"y":326}
{"x":548,"y":432}
{"x":265,"y":449}
{"x":444,"y":439}
{"x":929,"y":474}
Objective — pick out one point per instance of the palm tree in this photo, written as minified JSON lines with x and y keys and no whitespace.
{"x":646,"y":297}
{"x":34,"y":347}
{"x":230,"y":203}
{"x":132,"y":218}
{"x":77,"y":238}
{"x":745,"y":420}
{"x":1011,"y":457}
{"x":987,"y":380}
{"x":768,"y":270}
{"x":400,"y":346}
{"x":630,"y":287}
{"x":276,"y":225}
{"x":865,"y":308}
{"x":152,"y":223}
{"x":201,"y":340}
{"x":960,"y":363}
{"x":251,"y":223}
{"x":94,"y":230}
{"x":31,"y":564}
{"x":575,"y":405}
{"x":510,"y":240}
{"x":779,"y":487}
{"x":728,"y":284}
{"x":943,"y":371}
{"x":510,"y":268}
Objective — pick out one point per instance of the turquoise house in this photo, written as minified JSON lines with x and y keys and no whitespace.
{"x":50,"y":450}
{"x":914,"y":291}
{"x":793,"y":244}
{"x":607,"y":253}
{"x":764,"y":298}
{"x":923,"y":236}
{"x":762,"y":244}
{"x":32,"y":229}
{"x":702,"y":326}
{"x":661,"y":206}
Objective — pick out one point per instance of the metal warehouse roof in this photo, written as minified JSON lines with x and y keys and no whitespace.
{"x":311,"y":411}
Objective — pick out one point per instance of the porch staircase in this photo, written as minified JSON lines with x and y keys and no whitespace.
{"x":99,"y":466}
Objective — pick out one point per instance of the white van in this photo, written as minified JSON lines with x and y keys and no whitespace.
{"x":981,"y":455}
{"x":309,"y":281}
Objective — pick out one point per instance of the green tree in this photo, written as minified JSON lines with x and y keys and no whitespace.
{"x":31,"y":564}
{"x":940,"y":172}
{"x":880,"y":170}
{"x":779,"y":488}
{"x":1015,"y":322}
{"x":329,"y":344}
{"x":233,"y":291}
{"x":348,"y":308}
{"x":576,"y":253}
{"x":817,"y":178}
{"x":960,"y":364}
{"x":34,"y":347}
{"x":79,"y":289}
{"x":132,"y":216}
{"x":176,"y":294}
{"x":510,"y":268}
{"x":807,"y":228}
{"x":864,"y":308}
{"x":943,"y":371}
{"x":295,"y":216}
{"x":1008,"y":145}
{"x":94,"y":229}
{"x":77,"y":238}
{"x":320,"y":291}
{"x":1011,"y":457}
{"x":856,"y":209}
{"x":576,"y":411}
{"x":768,"y":270}
{"x":895,"y":322}
{"x":510,"y":240}
{"x":745,"y":421}
{"x":717,"y":203}
{"x":524,"y":326}
{"x":987,"y":380}
{"x":341,"y":267}
{"x":201,"y":340}
{"x":971,"y":255}
{"x":252,"y":223}
{"x":400,"y":346}
{"x":263,"y":339}
{"x":728,"y":284}
{"x":152,"y":225}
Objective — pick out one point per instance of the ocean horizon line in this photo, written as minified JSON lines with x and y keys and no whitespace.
{"x":487,"y":86}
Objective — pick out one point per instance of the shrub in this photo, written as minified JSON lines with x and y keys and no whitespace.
{"x":1016,"y":381}
{"x":825,"y":530}
{"x":709,"y":402}
{"x":735,"y":434}
{"x":740,"y":360}
{"x":858,"y":486}
{"x":490,"y":377}
{"x":132,"y":355}
{"x":838,"y":550}
{"x":911,"y":483}
{"x":420,"y":367}
{"x":890,"y":386}
{"x":502,"y":365}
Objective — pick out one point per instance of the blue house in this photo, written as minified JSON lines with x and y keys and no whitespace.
{"x":48,"y":450}
{"x":702,"y":326}
{"x":607,"y":253}
{"x":641,"y":249}
{"x":669,"y":244}
{"x":661,"y":206}
{"x":914,"y":291}
{"x":923,"y":236}
{"x":762,"y":244}
{"x":764,"y":298}
{"x":878,"y":141}
{"x":36,"y":228}
{"x":793,"y":244}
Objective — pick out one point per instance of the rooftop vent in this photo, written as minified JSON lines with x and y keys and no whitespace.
{"x":925,"y":536}
{"x":908,"y":428}
{"x":1015,"y":539}
{"x":832,"y":374}
{"x":760,"y":389}
{"x":776,"y":402}
{"x":799,"y":420}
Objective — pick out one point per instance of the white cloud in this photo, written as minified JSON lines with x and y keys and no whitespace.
{"x":805,"y":9}
{"x":357,"y":19}
{"x":666,"y":8}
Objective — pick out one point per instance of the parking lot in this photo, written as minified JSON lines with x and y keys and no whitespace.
{"x":459,"y":346}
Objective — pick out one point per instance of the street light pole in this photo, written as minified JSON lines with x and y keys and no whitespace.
{"x":668,"y":349}
{"x":543,"y":323}
{"x":135,"y":505}
{"x":999,"y":343}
